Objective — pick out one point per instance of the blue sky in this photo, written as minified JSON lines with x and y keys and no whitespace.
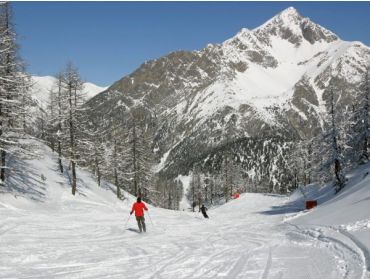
{"x":107,"y":40}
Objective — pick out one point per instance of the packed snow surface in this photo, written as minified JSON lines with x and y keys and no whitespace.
{"x":45,"y":232}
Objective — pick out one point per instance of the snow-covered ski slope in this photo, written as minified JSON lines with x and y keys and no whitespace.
{"x":45,"y":232}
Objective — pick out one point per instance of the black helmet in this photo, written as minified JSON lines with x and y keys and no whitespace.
{"x":139,"y":199}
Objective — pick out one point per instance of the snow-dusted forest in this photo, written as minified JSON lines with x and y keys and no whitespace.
{"x":278,"y":115}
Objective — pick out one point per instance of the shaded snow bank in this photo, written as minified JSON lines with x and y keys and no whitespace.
{"x":38,"y":184}
{"x":346,"y":213}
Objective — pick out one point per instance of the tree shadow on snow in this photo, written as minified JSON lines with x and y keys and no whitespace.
{"x":25,"y":181}
{"x":282,"y":209}
{"x":82,"y":185}
{"x":273,"y":195}
{"x":361,"y":200}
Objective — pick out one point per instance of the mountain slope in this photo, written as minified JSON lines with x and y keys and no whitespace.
{"x":48,"y":233}
{"x":266,"y":86}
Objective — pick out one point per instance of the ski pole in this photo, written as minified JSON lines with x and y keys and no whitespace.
{"x":150,"y":219}
{"x":153,"y":224}
{"x":127,"y":220}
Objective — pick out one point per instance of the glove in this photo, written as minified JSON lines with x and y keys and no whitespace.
{"x":131,"y":213}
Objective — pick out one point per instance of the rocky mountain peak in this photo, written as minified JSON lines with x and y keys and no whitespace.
{"x":292,"y":26}
{"x":289,"y":15}
{"x":265,"y":86}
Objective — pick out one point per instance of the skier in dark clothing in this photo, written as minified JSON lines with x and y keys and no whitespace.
{"x":203,"y":209}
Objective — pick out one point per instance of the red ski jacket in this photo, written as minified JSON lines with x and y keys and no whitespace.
{"x":139,"y":207}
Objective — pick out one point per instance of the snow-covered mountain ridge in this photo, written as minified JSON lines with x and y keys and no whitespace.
{"x":265,"y":87}
{"x":42,"y":85}
{"x":278,"y":55}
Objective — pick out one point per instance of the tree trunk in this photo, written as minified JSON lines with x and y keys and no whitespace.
{"x":3,"y":110}
{"x":52,"y":144}
{"x":72,"y":142}
{"x":231,"y":188}
{"x":42,"y":129}
{"x":73,"y":177}
{"x":97,"y":170}
{"x":134,"y":159}
{"x":364,"y":156}
{"x":2,"y":152}
{"x":60,"y":123}
{"x":116,"y":183}
{"x":3,"y":164}
{"x":169,"y":200}
{"x":60,"y":156}
{"x":75,"y":97}
{"x":199,"y":201}
{"x":115,"y":173}
{"x":211,"y":193}
{"x":2,"y":172}
{"x":193,"y":197}
{"x":226,"y":179}
{"x":337,"y":168}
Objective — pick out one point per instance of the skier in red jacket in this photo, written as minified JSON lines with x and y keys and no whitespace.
{"x":139,"y":208}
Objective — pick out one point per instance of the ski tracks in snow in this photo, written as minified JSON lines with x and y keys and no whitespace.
{"x":89,"y":241}
{"x":363,"y":251}
{"x":350,"y":257}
